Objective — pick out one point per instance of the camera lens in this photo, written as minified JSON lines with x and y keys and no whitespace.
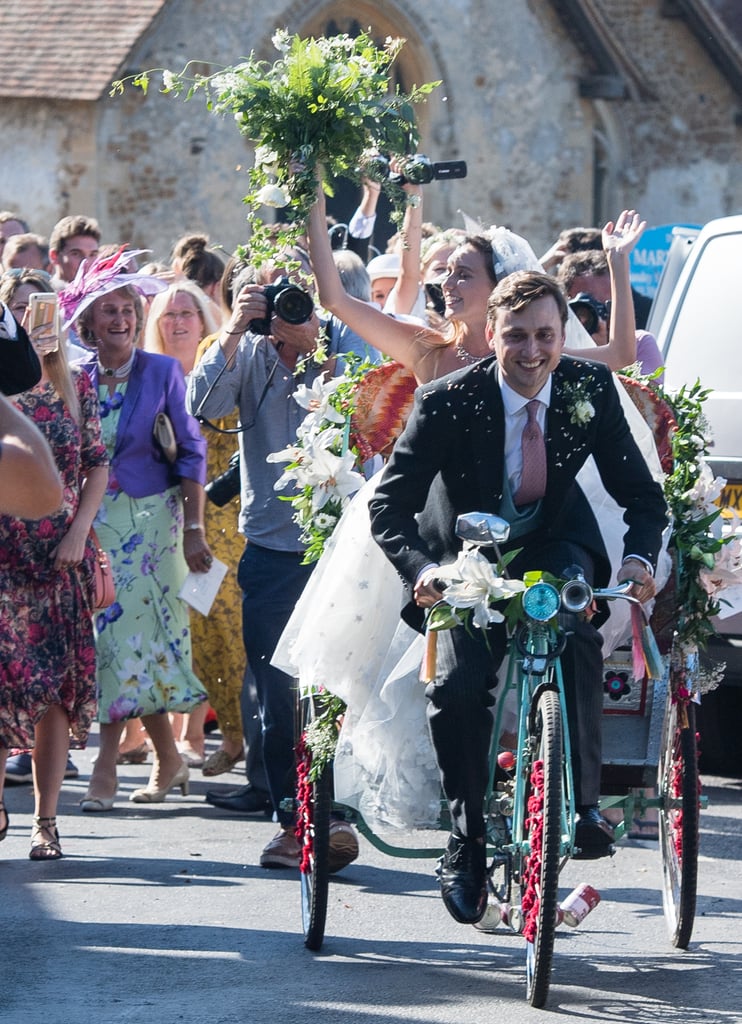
{"x":293,"y":305}
{"x":418,"y":170}
{"x":588,"y":311}
{"x":434,"y":292}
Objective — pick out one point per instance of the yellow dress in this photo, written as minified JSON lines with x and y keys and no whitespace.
{"x":217,"y":648}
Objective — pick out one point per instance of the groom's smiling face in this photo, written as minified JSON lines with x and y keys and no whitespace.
{"x":528,"y":344}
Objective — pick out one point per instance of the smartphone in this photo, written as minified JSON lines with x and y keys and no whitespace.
{"x":43,"y":317}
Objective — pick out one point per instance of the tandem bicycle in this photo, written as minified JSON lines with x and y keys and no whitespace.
{"x":529,"y":810}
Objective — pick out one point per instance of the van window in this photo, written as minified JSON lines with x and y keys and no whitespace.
{"x":707,"y":335}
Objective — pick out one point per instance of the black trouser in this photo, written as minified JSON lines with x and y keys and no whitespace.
{"x":461,"y":699}
{"x":272,"y":583}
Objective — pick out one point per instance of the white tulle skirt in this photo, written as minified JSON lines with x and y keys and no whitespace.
{"x":346,"y":635}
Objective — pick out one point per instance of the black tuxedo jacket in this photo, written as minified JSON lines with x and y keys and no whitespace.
{"x":450,"y":460}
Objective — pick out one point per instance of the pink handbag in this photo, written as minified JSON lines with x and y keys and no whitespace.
{"x":104,"y":592}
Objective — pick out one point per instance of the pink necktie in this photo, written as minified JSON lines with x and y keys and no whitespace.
{"x":533,"y":478}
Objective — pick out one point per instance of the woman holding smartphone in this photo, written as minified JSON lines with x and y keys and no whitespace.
{"x":47,"y":647}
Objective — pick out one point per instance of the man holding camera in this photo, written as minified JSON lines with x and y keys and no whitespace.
{"x":585,"y":279}
{"x":259,"y":373}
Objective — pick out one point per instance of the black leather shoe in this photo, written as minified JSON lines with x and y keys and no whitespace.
{"x":245,"y":800}
{"x":594,"y":836}
{"x":463,"y":876}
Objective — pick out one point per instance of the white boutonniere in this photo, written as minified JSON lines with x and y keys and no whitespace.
{"x":578,"y":404}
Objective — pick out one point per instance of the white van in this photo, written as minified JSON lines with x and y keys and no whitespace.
{"x":699,"y":331}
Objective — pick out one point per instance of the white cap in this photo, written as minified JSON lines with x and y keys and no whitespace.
{"x":386,"y":265}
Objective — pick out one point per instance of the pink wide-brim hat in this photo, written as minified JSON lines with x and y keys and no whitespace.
{"x":100,"y":276}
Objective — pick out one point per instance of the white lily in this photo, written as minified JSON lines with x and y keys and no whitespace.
{"x":332,"y":476}
{"x":472,"y":583}
{"x":317,"y":398}
{"x":291,"y":453}
{"x":705,"y":492}
{"x":313,"y":433}
{"x":727,"y":570}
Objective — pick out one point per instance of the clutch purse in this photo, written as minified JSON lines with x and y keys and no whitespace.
{"x":164,"y":435}
{"x":104,"y":592}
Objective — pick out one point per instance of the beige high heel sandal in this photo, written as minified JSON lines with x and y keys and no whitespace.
{"x":151,"y":795}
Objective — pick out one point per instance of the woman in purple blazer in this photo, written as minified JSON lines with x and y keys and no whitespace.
{"x":150,"y":523}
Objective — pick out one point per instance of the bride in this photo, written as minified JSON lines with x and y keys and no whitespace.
{"x":345,"y":633}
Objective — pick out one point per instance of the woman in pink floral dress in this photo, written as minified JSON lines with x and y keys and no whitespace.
{"x":47,"y":647}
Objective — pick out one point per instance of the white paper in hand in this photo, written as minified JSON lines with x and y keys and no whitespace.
{"x":200,"y":588}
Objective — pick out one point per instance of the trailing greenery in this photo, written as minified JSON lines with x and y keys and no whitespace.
{"x":323,"y":103}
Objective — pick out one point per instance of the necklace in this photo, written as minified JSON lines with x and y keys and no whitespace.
{"x":464,"y":355}
{"x":118,"y":372}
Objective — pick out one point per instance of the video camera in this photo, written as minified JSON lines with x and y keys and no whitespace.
{"x":417,"y":169}
{"x":589,"y":311}
{"x":288,"y":301}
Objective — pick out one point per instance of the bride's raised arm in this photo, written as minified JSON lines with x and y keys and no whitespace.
{"x":396,"y":338}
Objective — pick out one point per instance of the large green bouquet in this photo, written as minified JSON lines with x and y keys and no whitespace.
{"x":324,"y":102}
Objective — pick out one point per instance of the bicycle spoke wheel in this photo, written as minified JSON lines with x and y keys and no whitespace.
{"x":679,"y":788}
{"x":540,"y":876}
{"x":314,"y":798}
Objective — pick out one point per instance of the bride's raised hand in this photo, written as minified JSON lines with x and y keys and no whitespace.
{"x":621,"y":237}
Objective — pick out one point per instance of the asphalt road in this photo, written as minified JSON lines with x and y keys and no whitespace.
{"x":160,"y":914}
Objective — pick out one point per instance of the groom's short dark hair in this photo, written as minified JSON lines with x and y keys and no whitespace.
{"x":519,"y":290}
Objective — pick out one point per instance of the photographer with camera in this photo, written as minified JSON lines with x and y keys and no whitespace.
{"x":586,"y":281}
{"x":267,"y":348}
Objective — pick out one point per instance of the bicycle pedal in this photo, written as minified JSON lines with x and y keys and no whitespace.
{"x":593,"y":852}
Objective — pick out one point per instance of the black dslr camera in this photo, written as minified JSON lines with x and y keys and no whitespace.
{"x":589,"y":311}
{"x":417,"y":169}
{"x":226,"y":486}
{"x":288,"y":301}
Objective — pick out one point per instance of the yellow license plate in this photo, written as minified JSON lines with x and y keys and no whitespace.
{"x":731,"y":496}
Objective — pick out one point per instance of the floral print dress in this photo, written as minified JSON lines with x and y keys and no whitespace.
{"x":47,"y":646}
{"x":143,"y":639}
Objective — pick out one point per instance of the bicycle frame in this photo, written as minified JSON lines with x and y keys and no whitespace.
{"x":528,"y":675}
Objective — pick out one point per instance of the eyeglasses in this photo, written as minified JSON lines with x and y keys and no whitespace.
{"x":181,"y":314}
{"x":28,"y":271}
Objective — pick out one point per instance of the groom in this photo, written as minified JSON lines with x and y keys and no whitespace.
{"x":477,"y":441}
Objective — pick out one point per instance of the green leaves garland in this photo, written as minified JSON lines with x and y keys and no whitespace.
{"x":697,"y":540}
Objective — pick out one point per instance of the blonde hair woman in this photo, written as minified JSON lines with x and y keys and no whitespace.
{"x":178,"y":321}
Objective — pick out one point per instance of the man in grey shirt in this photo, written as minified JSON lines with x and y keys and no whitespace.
{"x":259,"y":374}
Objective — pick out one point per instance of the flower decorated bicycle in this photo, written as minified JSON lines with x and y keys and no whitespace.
{"x":529,"y":810}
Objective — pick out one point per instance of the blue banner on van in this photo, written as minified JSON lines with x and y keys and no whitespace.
{"x":649,"y":255}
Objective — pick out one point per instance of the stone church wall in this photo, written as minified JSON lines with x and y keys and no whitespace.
{"x":151,"y":168}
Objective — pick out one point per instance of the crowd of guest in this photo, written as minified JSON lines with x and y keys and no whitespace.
{"x":140,"y":344}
